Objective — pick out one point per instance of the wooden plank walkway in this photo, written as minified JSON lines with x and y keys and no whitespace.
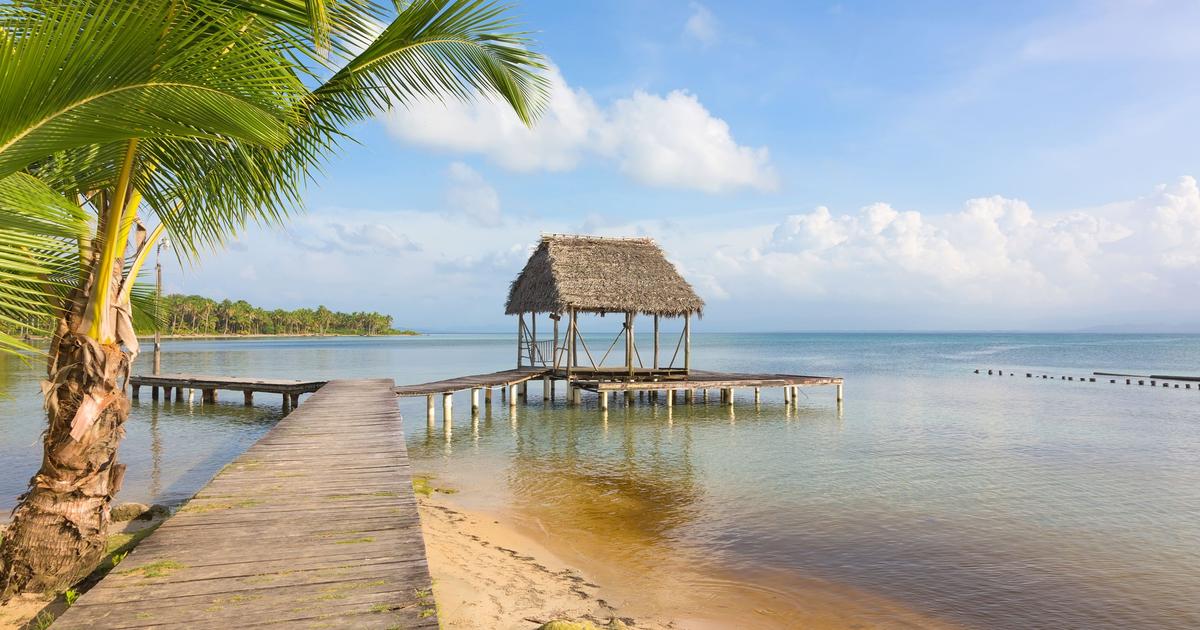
{"x":476,"y":381}
{"x":314,"y":526}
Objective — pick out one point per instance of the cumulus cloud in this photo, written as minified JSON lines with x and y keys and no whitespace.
{"x":701,"y":25}
{"x":667,"y":140}
{"x":995,"y":253}
{"x":470,"y":194}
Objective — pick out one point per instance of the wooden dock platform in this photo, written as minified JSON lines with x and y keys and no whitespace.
{"x":209,"y":384}
{"x":506,"y":378}
{"x":314,"y":526}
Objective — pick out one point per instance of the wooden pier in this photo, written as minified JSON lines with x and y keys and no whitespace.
{"x":314,"y":526}
{"x":696,"y":383}
{"x":209,"y":385}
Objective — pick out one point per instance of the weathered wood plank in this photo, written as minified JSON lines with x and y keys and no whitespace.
{"x":314,"y":525}
{"x":494,"y":379}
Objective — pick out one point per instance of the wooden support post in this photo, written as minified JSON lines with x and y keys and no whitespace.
{"x":629,"y":400}
{"x":430,"y":415}
{"x":448,"y":408}
{"x":578,"y":395}
{"x":705,"y":398}
{"x":208,"y":395}
{"x":178,"y":394}
{"x":839,"y":392}
{"x":135,"y":391}
{"x":687,"y":343}
{"x":670,"y":398}
{"x":525,"y":392}
{"x":554,"y":349}
{"x":757,"y":395}
{"x":729,"y":397}
{"x":573,"y":359}
{"x":787,"y":395}
{"x":487,"y":396}
{"x":655,"y":342}
{"x":248,"y":398}
{"x":629,"y":344}
{"x":166,"y":393}
{"x":689,"y":396}
{"x":154,"y":393}
{"x":602,"y":397}
{"x":474,"y":401}
{"x":287,"y":404}
{"x":795,"y":394}
{"x":295,"y":400}
{"x":520,"y":335}
{"x":512,"y":396}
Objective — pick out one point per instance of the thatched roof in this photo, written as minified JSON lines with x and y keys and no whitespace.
{"x":601,"y":275}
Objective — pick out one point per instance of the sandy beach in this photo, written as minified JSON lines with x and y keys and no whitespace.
{"x":489,"y":571}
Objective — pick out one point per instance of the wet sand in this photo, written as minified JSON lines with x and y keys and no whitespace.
{"x":490,"y":570}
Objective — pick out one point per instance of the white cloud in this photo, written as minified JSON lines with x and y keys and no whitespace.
{"x":996,"y":257}
{"x":470,"y":194}
{"x":671,"y":141}
{"x":701,"y":25}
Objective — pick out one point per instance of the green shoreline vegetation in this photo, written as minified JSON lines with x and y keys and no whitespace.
{"x":198,"y":316}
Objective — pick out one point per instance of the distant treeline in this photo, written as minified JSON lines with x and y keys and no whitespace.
{"x":198,"y":315}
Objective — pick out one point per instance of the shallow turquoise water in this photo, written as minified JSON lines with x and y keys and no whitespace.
{"x":990,"y":501}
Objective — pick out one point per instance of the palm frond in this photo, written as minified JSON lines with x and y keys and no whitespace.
{"x":122,"y":70}
{"x":439,"y":49}
{"x":39,"y":240}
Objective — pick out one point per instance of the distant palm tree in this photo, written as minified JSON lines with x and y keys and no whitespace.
{"x":122,"y":120}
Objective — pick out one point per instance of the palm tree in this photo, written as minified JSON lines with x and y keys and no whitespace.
{"x":122,"y":121}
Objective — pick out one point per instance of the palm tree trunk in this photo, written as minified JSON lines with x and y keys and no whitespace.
{"x":58,"y":533}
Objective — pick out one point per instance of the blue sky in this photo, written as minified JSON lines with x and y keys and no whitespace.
{"x":921,"y":165}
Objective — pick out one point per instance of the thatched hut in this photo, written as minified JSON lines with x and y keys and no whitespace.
{"x":570,"y":274}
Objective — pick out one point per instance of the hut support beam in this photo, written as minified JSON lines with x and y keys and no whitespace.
{"x":687,"y":343}
{"x":430,"y":416}
{"x":656,"y":342}
{"x":474,"y":401}
{"x":448,"y":408}
{"x":602,"y":398}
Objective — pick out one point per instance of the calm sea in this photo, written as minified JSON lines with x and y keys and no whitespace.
{"x":984,"y":500}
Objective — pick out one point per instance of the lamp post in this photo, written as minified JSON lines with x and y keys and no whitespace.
{"x":158,"y":304}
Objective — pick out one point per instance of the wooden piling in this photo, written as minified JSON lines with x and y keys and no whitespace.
{"x":487,"y":396}
{"x":602,"y":398}
{"x":512,"y":396}
{"x":210,"y":395}
{"x":178,"y":394}
{"x":154,"y":393}
{"x":670,"y":398}
{"x":757,"y":395}
{"x":787,"y":395}
{"x":839,"y":392}
{"x":430,"y":416}
{"x":286,"y":406}
{"x":448,"y":408}
{"x":474,"y":401}
{"x":545,"y":388}
{"x":248,"y":398}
